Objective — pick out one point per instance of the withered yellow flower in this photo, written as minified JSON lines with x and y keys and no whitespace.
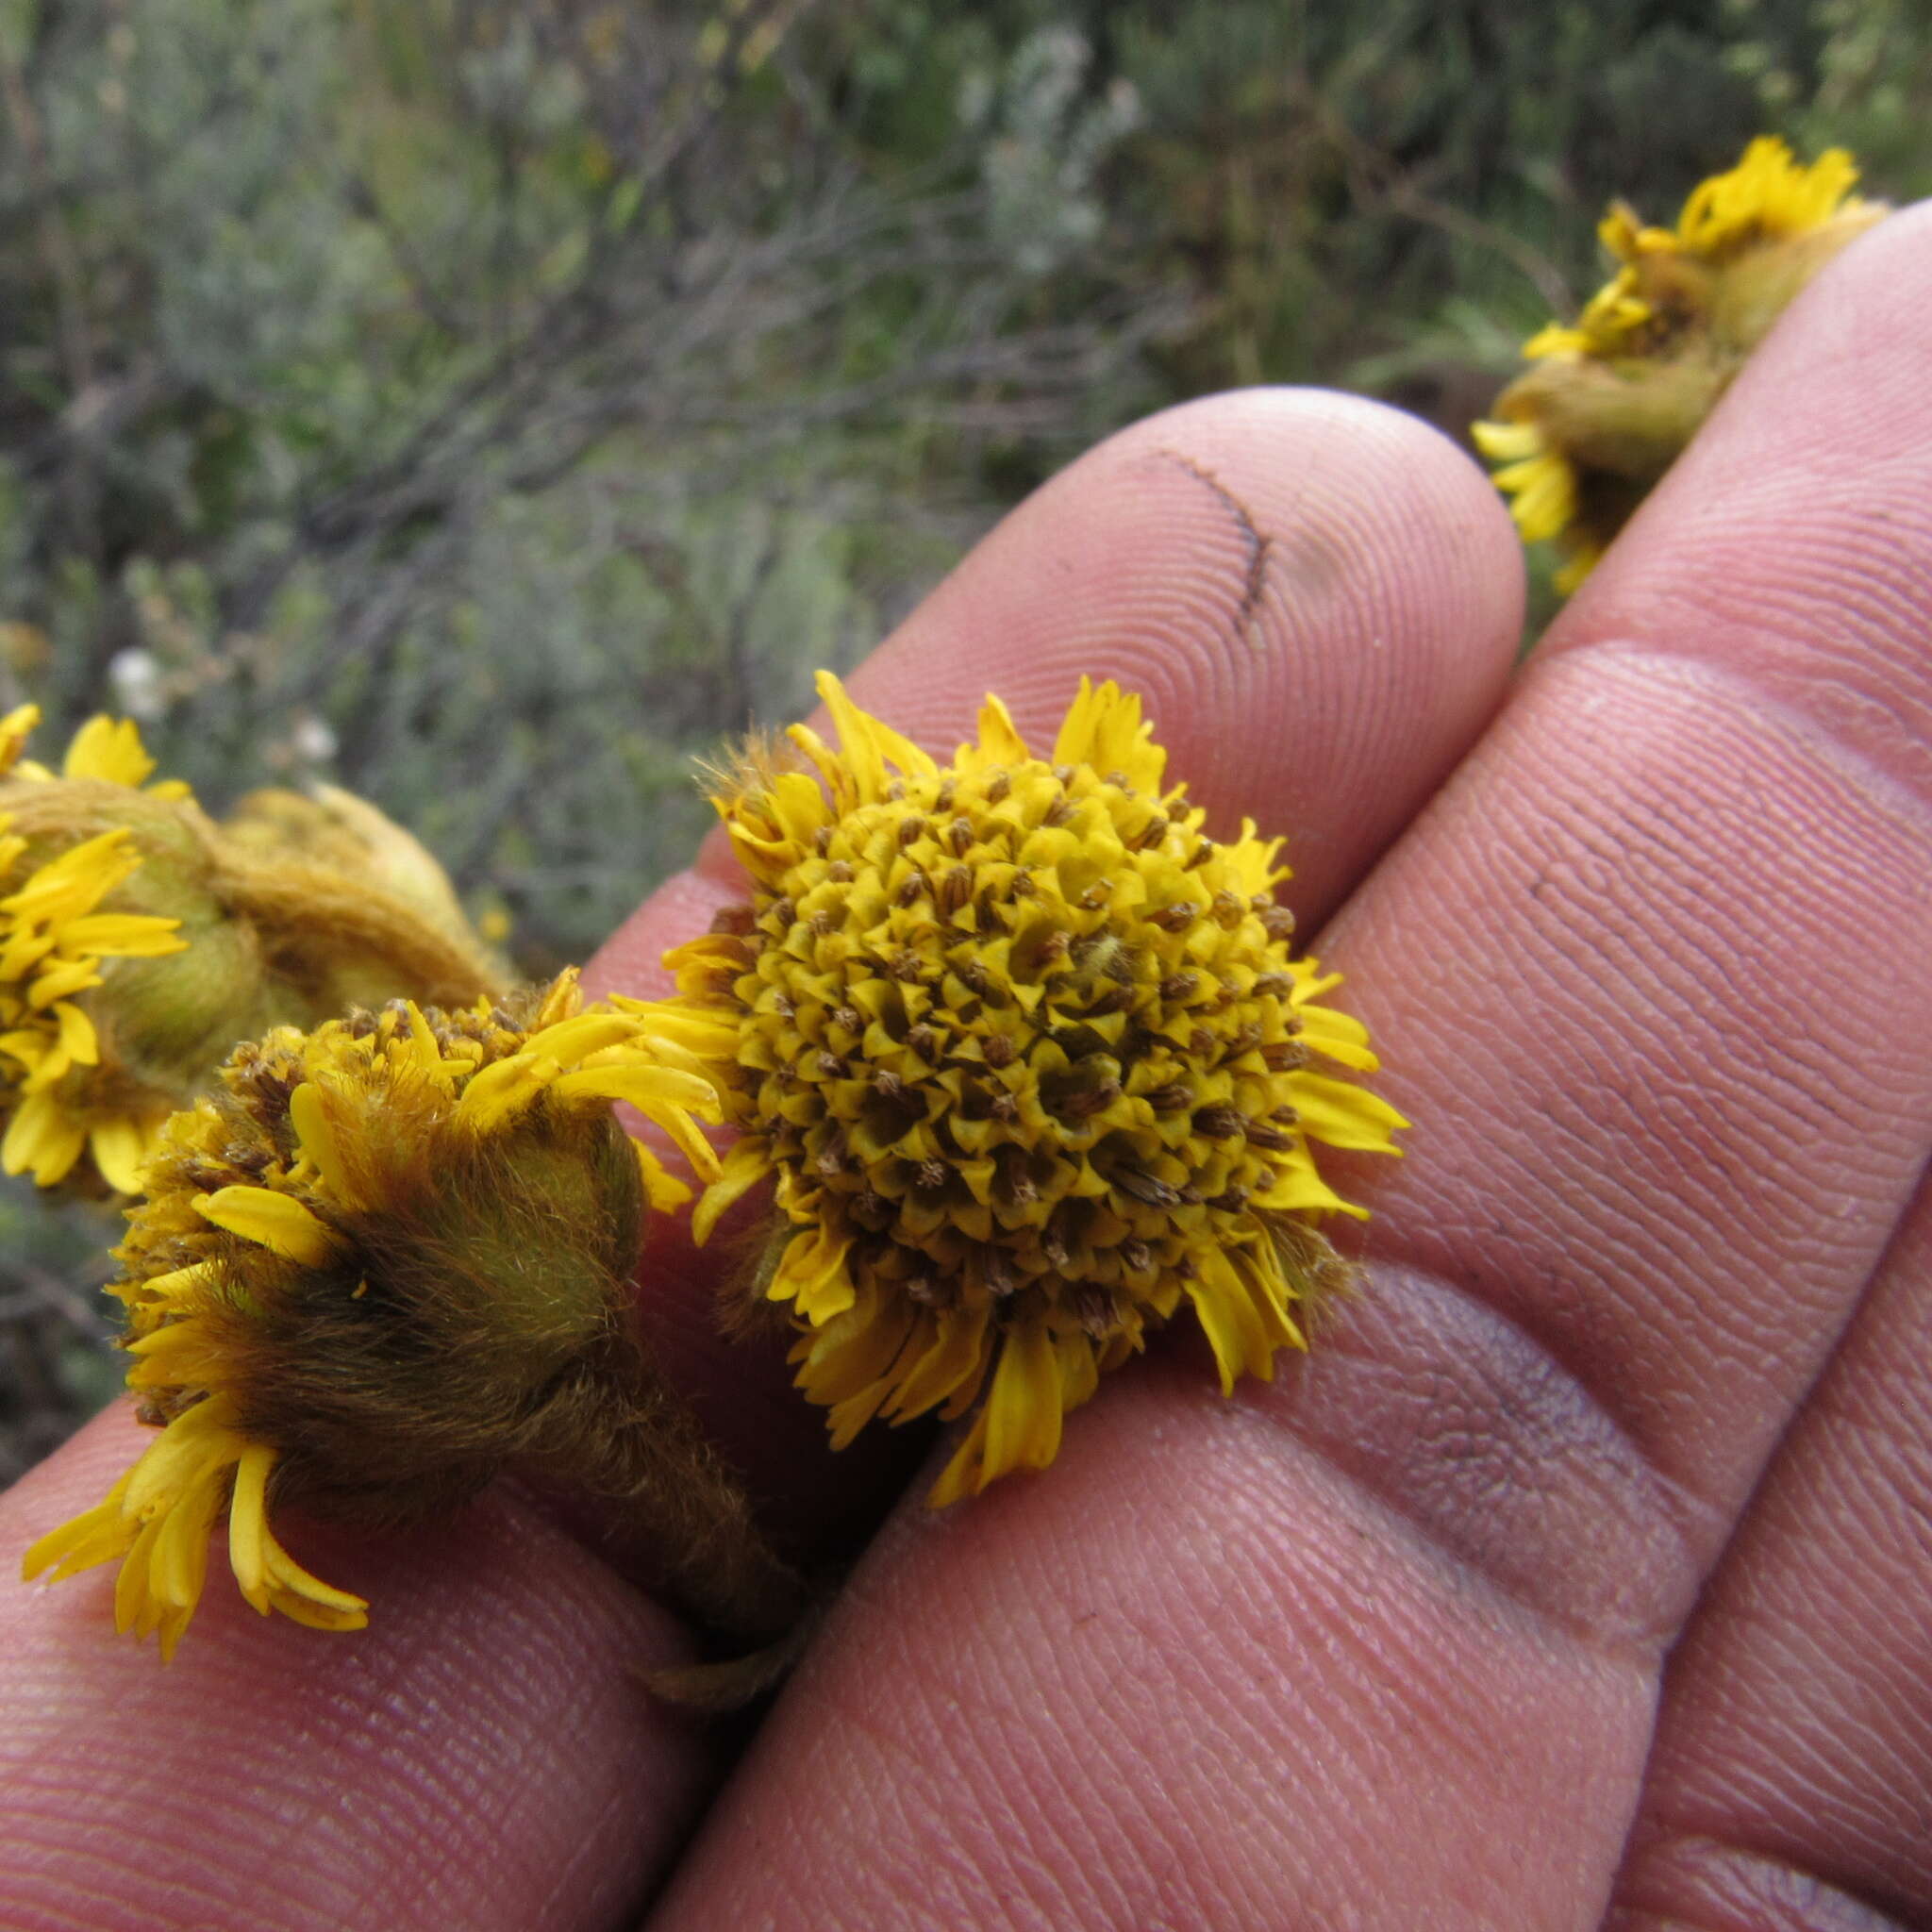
{"x":384,"y":1258}
{"x":139,"y":940}
{"x":1029,"y":1056}
{"x":1615,"y":396}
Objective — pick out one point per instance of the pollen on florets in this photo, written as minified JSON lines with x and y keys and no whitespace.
{"x":1033,"y":1065}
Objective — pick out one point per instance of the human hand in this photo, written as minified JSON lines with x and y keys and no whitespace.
{"x":1581,"y":1571}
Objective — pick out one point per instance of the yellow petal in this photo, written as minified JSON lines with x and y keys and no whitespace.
{"x":279,"y":1221}
{"x":1023,"y":1409}
{"x":120,"y":1146}
{"x":748,"y":1162}
{"x":812,"y":1275}
{"x":43,"y":1140}
{"x":103,"y":749}
{"x":1342,"y":1114}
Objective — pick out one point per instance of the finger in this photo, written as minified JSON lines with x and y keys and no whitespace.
{"x":1790,"y":1782}
{"x":458,"y":1609}
{"x":1379,"y":1645}
{"x":484,"y":1755}
{"x":1321,"y":605}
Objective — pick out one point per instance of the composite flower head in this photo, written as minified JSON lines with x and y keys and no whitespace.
{"x":63,"y":919}
{"x":379,"y":1261}
{"x":1612,"y":398}
{"x":1032,"y":1065}
{"x":139,"y":940}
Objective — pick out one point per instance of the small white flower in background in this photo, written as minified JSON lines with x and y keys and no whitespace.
{"x":136,"y":675}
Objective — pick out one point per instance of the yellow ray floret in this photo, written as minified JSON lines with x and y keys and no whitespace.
{"x":354,"y":1283}
{"x":1032,"y":1066}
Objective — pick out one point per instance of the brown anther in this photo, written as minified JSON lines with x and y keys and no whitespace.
{"x":974,"y":976}
{"x":1220,"y":1123}
{"x":913,"y":889}
{"x":1116,"y":999}
{"x":822,"y":840}
{"x":986,"y":921}
{"x":1279,"y":921}
{"x":959,"y":837}
{"x":1136,"y":1254}
{"x":840,"y":872}
{"x":998,"y":786}
{"x":848,"y":1018}
{"x":1156,"y":831}
{"x":924,"y":1041}
{"x":1285,"y":1115}
{"x":1092,"y":1307}
{"x":999,"y":1049}
{"x":1261,"y":1135}
{"x":1278,"y":983}
{"x":1230,"y":1202}
{"x":1019,"y":1183}
{"x":1188,"y":1197}
{"x":1057,"y":945}
{"x":783,"y":1005}
{"x":944,"y":801}
{"x":1064,"y":774}
{"x":733,"y":921}
{"x":1229,"y":909}
{"x":1058,"y":813}
{"x":1284,"y":1055}
{"x":1178,"y":917}
{"x":1085,"y":1102}
{"x":820,"y":924}
{"x":1201,"y":1043}
{"x":1243,"y":1040}
{"x":1024,"y":885}
{"x":1201,"y":854}
{"x":1184,"y":1270}
{"x":1170,"y":1098}
{"x":911,"y":831}
{"x":888,"y":1085}
{"x":897,"y":791}
{"x":955,"y":890}
{"x":1003,"y":1108}
{"x":782,"y":911}
{"x":830,"y":1065}
{"x":1179,"y":986}
{"x":1143,"y":1186}
{"x":904,"y":964}
{"x":933,"y":1173}
{"x":832,"y":1157}
{"x":1117,"y":779}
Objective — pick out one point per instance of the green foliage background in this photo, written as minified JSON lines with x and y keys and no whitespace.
{"x":486,"y":406}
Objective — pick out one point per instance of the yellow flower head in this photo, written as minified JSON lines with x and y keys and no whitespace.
{"x":1614,"y":396}
{"x":383,"y":1258}
{"x":138,"y":941}
{"x":56,"y":936}
{"x":1031,"y":1064}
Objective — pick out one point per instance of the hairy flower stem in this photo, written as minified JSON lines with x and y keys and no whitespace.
{"x":694,"y":1517}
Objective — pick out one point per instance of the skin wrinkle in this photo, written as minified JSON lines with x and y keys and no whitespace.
{"x":1798,"y":1727}
{"x":1644,"y":885}
{"x":404,"y":1805}
{"x":1702,"y":1885}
